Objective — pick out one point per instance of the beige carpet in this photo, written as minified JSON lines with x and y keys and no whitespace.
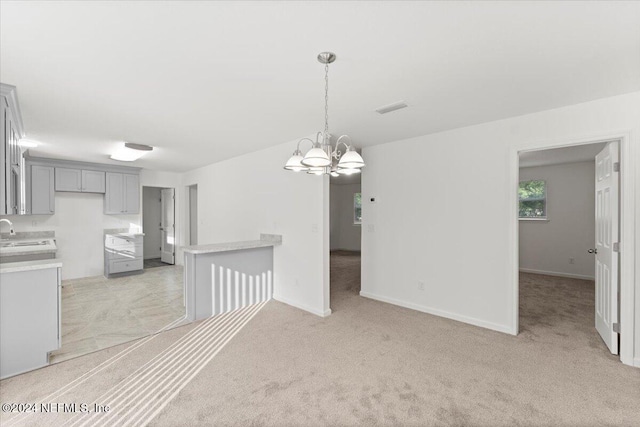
{"x":372,"y":363}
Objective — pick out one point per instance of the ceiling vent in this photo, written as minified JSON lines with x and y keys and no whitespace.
{"x":391,"y":107}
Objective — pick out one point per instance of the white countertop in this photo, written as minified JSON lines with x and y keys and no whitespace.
{"x":265,"y":241}
{"x":12,"y":267}
{"x":230,"y":246}
{"x":50,"y":247}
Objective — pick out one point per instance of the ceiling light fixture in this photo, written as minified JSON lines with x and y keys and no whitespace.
{"x":391,"y":107}
{"x":322,"y":158}
{"x":27,"y":143}
{"x":130,"y":152}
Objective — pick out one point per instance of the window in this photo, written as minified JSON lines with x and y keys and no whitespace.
{"x":532,"y":196}
{"x":357,"y":208}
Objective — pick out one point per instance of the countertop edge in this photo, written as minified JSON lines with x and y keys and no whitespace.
{"x":229,"y":246}
{"x":41,"y":264}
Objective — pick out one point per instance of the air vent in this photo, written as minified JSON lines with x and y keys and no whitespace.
{"x":391,"y":107}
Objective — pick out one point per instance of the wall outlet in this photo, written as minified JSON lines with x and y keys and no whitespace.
{"x":572,"y":260}
{"x":420,"y":286}
{"x":297,"y":283}
{"x":314,"y":228}
{"x":34,"y":223}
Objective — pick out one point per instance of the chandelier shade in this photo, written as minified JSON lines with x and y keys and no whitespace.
{"x":316,"y":157}
{"x":351,"y":160}
{"x":295,"y":163}
{"x":323,"y":158}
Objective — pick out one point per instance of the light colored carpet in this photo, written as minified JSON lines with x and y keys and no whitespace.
{"x":372,"y":363}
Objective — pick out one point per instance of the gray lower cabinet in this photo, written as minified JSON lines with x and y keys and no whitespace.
{"x":42,"y":190}
{"x":80,"y":180}
{"x":29,"y":319}
{"x":122,"y":253}
{"x":122,"y":195}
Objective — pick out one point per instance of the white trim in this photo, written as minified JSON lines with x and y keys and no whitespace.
{"x":627,"y":227}
{"x":436,"y":312}
{"x":301,"y":306}
{"x":636,"y":362}
{"x":557,"y":274}
{"x":545,"y":219}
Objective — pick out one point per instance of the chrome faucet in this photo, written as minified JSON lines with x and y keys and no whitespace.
{"x":12,"y":232}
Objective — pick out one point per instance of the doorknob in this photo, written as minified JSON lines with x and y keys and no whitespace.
{"x":593,"y":251}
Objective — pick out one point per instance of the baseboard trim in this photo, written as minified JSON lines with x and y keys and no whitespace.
{"x":301,"y":306}
{"x":557,"y":274}
{"x":441,"y":313}
{"x":636,"y":362}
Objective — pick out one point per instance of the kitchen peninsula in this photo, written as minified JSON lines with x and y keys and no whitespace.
{"x":226,"y":276}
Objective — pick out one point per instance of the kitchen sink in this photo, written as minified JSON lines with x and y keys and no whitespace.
{"x":19,"y":244}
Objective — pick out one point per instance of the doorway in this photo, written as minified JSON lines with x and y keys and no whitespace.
{"x":192,"y":208}
{"x":568,"y":233}
{"x":158,"y":224}
{"x":345,"y":219}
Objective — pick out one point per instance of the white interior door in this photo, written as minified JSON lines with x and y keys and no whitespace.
{"x":168,"y":226}
{"x":606,"y":250}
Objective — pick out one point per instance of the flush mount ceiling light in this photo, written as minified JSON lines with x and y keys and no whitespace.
{"x":27,"y":143}
{"x":130,"y":152}
{"x":391,"y":107}
{"x":322,"y":158}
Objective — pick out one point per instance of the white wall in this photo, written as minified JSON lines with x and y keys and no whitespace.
{"x":345,"y":235}
{"x":151,"y":217}
{"x":242,"y":197}
{"x":448,"y":221}
{"x":547,"y":246}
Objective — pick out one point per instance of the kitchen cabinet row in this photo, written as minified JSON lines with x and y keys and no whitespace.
{"x":121,"y":190}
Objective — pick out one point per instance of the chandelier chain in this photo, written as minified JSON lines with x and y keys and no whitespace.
{"x":326,"y":102}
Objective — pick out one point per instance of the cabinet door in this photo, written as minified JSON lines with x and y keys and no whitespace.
{"x":4,"y":152}
{"x":42,"y":190}
{"x":114,"y":193}
{"x":68,"y":179}
{"x":93,"y":181}
{"x":131,"y":193}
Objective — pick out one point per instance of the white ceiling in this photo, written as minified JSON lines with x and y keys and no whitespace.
{"x":207,"y":81}
{"x":555,"y":156}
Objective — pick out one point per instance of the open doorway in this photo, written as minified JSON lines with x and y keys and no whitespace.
{"x":569,"y":215}
{"x":192,"y":208}
{"x":345,"y":238}
{"x":158,"y":223}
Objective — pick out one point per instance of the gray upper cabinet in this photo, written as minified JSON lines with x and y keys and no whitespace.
{"x":122,"y":195}
{"x":131,"y":193}
{"x":68,"y":179}
{"x":42,"y":190}
{"x":93,"y":181}
{"x":80,"y":180}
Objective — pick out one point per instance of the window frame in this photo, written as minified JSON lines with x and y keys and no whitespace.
{"x":545,"y":199}
{"x":355,"y":218}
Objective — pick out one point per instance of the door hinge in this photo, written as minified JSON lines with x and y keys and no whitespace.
{"x":616,"y":327}
{"x":616,"y":167}
{"x":616,"y":247}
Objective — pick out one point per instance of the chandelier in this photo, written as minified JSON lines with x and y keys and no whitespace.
{"x":323,"y":158}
